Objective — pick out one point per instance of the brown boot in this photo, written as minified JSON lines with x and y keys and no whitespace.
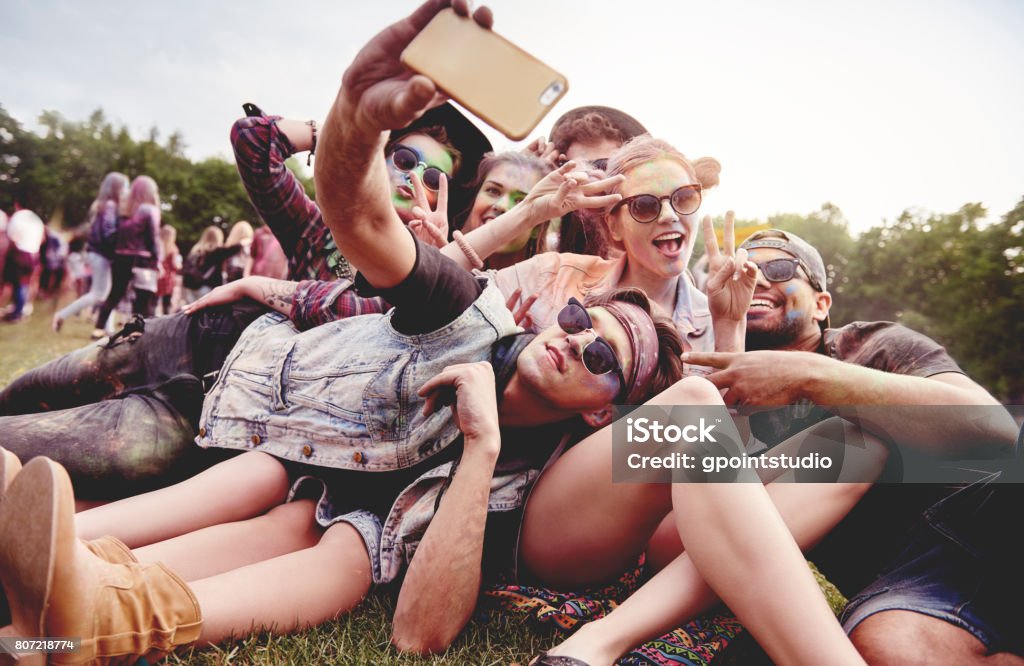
{"x":57,"y":587}
{"x":112,"y":550}
{"x":108,"y":548}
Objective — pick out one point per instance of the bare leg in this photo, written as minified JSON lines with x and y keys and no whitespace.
{"x":618,"y":519}
{"x":812,"y":509}
{"x":236,"y":489}
{"x":290,"y":592}
{"x":213,"y":550}
{"x":906,"y":638}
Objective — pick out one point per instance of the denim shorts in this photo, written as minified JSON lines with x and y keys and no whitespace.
{"x":961,"y":565}
{"x":363,"y":500}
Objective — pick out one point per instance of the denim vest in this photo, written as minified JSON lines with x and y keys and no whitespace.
{"x":344,"y":394}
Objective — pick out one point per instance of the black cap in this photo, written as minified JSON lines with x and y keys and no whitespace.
{"x":466,"y":138}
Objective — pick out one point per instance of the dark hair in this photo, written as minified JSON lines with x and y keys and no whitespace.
{"x":437,"y":133}
{"x":581,"y":232}
{"x":670,"y":346}
{"x":588,"y":128}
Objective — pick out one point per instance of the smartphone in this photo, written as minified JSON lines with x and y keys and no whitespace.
{"x":499,"y":82}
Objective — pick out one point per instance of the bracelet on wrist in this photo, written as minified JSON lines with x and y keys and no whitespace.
{"x":467,"y":249}
{"x":312,"y":149}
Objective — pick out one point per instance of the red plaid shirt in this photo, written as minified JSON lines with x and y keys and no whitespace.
{"x":325,"y":290}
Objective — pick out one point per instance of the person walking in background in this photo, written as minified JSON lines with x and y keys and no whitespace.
{"x":201,"y":271}
{"x":53,"y":255}
{"x":5,"y":243}
{"x":136,"y":246}
{"x":77,"y":269}
{"x":26,"y":233}
{"x":171,"y":268}
{"x":239,"y":264}
{"x":103,"y":215}
{"x":268,"y":258}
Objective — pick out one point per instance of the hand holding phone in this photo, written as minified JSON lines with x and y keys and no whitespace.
{"x":377,"y":94}
{"x":484,"y":72}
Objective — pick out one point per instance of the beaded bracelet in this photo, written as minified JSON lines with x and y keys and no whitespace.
{"x":312,"y":150}
{"x":467,"y":249}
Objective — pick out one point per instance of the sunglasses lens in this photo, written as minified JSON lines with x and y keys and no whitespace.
{"x":404,"y":159}
{"x":686,"y":200}
{"x":599,"y":358}
{"x":573,"y":318}
{"x":432,"y":178}
{"x":778,"y":270}
{"x":645,"y":208}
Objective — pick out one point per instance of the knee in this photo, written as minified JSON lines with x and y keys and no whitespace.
{"x":264,"y":473}
{"x":294,"y":521}
{"x":347,"y":548}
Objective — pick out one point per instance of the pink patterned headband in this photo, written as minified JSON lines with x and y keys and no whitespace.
{"x":643,"y":340}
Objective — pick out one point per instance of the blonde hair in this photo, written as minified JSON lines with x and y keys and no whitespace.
{"x":112,"y":189}
{"x":240,"y":231}
{"x":168,"y":235}
{"x":211,"y":239}
{"x":144,"y":190}
{"x":645,"y":148}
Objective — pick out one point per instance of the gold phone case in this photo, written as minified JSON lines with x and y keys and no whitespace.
{"x":492,"y":77}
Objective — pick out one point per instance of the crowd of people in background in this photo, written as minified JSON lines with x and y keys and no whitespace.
{"x":123,"y":259}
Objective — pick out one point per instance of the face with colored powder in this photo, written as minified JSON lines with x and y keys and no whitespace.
{"x":662,"y":248}
{"x":503,"y":188}
{"x":429,"y":152}
{"x":551,"y":366}
{"x":781,"y":313}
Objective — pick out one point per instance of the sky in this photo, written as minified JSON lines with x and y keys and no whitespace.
{"x":874,"y":106}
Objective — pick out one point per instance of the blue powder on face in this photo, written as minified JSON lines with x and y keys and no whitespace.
{"x":792,"y":314}
{"x":790,"y":289}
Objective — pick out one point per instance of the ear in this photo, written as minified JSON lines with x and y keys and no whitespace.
{"x":599,"y":418}
{"x":614,"y":228}
{"x":822,"y":304}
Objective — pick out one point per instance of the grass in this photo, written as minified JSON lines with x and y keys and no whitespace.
{"x":361,"y":637}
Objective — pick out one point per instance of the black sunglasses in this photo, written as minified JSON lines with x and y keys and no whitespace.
{"x":646,"y":208}
{"x":406,"y":159}
{"x":598,"y":356}
{"x":784,"y":269}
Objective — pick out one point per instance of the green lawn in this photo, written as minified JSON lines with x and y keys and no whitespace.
{"x":359,"y":638}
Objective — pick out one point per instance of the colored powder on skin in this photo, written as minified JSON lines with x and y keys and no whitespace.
{"x":790,"y":289}
{"x":792,"y":314}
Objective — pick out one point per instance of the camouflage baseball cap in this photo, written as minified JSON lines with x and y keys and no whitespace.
{"x":789,"y":242}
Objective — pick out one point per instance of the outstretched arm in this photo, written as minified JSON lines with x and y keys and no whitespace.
{"x":562,"y":191}
{"x":275,"y":294}
{"x":377,"y":94}
{"x":261,"y":146}
{"x":889,"y":405}
{"x":443,"y":582}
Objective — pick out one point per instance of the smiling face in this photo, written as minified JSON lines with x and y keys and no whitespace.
{"x":503,"y":187}
{"x":662,"y":248}
{"x":784,"y":314}
{"x":551,"y":366}
{"x":429,"y":151}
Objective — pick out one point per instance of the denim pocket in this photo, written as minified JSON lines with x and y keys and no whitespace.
{"x":386,"y":400}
